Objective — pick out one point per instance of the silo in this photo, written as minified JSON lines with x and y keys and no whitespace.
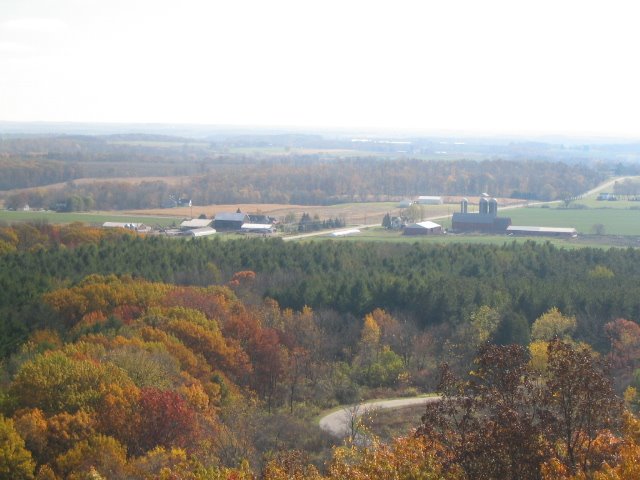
{"x":464,"y":205}
{"x":484,"y":206}
{"x":493,"y":207}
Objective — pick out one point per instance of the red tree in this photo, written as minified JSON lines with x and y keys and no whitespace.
{"x":165,"y":420}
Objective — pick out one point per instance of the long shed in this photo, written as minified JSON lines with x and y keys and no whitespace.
{"x":423,"y":228}
{"x":196,"y":223}
{"x":542,"y":231}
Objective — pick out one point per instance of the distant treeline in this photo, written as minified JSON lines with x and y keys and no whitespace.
{"x":365,"y":179}
{"x":307,"y":181}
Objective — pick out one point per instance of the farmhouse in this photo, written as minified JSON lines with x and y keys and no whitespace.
{"x":230,"y":221}
{"x":261,"y":219}
{"x":542,"y":231}
{"x":486,"y":220}
{"x":423,"y":228}
{"x":429,"y":200}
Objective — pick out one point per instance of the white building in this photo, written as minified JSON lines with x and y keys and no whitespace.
{"x":257,"y":228}
{"x":429,"y":200}
{"x":342,"y":233}
{"x":196,"y":223}
{"x":201,"y":232}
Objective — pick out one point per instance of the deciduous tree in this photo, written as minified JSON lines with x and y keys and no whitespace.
{"x":15,"y":460}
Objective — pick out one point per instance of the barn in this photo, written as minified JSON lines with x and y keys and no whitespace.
{"x":486,"y":220}
{"x":478,"y":222}
{"x":423,"y":228}
{"x":230,"y":221}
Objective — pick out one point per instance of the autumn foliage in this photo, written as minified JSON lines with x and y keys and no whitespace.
{"x":122,"y":377}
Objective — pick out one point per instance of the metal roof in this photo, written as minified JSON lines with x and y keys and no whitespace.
{"x":341,"y":233}
{"x":202,"y":232}
{"x":426,"y":224}
{"x":196,"y":223}
{"x":518,"y":228}
{"x":231,"y":217}
{"x":257,"y":226}
{"x":121,"y":225}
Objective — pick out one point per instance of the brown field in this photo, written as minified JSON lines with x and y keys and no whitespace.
{"x":352,"y":213}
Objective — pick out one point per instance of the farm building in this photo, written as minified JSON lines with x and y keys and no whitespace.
{"x":230,"y":221}
{"x":261,"y":219}
{"x":423,"y":228}
{"x":196,"y":223}
{"x":429,"y":200}
{"x":405,"y":204}
{"x":138,"y":227}
{"x":486,"y":220}
{"x":343,"y":233}
{"x":398,"y":222}
{"x":201,"y":232}
{"x":607,"y":196}
{"x":542,"y":231}
{"x":257,"y":228}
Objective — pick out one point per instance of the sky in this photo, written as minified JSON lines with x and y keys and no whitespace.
{"x":506,"y":67}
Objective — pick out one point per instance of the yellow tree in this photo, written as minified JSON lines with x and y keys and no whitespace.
{"x":15,"y":460}
{"x":553,"y":324}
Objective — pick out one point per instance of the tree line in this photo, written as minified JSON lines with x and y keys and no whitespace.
{"x":295,"y":179}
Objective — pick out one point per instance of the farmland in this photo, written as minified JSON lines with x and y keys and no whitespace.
{"x":616,"y":221}
{"x":379,"y":234}
{"x":612,"y":222}
{"x":92,"y":218}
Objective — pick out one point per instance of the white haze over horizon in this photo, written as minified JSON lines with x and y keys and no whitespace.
{"x":504,"y":67}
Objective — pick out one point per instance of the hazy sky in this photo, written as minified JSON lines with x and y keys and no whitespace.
{"x":433,"y":65}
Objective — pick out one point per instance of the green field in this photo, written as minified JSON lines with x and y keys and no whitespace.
{"x":88,"y":218}
{"x":591,"y":202}
{"x":378,"y":234}
{"x":619,"y":219}
{"x":616,"y":221}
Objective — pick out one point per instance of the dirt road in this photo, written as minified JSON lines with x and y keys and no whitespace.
{"x":338,"y":423}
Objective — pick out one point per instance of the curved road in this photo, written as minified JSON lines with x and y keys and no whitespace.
{"x":337,"y":423}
